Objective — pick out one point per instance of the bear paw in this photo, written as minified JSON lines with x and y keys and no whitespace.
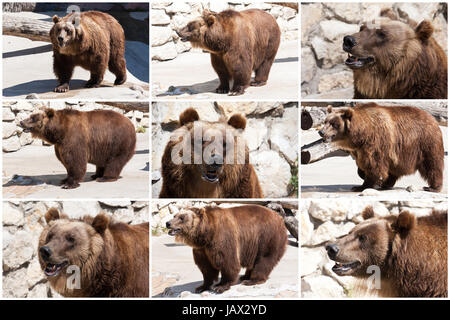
{"x":221,"y":89}
{"x":90,"y":84}
{"x":70,"y":186}
{"x":62,"y":88}
{"x":358,"y":189}
{"x":120,"y":81}
{"x":258,"y":83}
{"x":237,"y":92}
{"x":221,"y":288}
{"x":202,"y":288}
{"x":252,"y":282}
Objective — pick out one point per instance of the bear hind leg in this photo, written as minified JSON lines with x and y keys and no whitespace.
{"x":262,"y":73}
{"x":431,"y":171}
{"x":99,"y":172}
{"x":118,"y":67}
{"x":113,"y":168}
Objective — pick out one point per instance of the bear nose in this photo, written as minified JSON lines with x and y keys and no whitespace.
{"x":321,"y":133}
{"x":168,"y":224}
{"x":217,"y":161}
{"x":332,"y":250}
{"x":349,"y":43}
{"x":45,"y":253}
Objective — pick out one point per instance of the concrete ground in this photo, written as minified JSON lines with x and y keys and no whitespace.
{"x":28,"y":69}
{"x":174,"y":274}
{"x":35,"y":172}
{"x":191,"y":76}
{"x":334,"y":177}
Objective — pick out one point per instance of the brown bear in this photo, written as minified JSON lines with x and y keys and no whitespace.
{"x":239,"y":43}
{"x":104,"y":138}
{"x":92,"y":40}
{"x":95,"y":257}
{"x":395,"y":60}
{"x":410,"y":252}
{"x":388,"y":142}
{"x":208,"y":160}
{"x":226,"y":240}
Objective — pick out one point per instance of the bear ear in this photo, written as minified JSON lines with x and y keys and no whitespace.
{"x":49,"y":112}
{"x":424,"y":30}
{"x":55,"y":19}
{"x":209,"y":17}
{"x":368,"y":213}
{"x":52,"y":214}
{"x":404,"y":223}
{"x":237,"y":121}
{"x":347,"y":113}
{"x":188,"y":115}
{"x":100,"y":223}
{"x":330,"y":109}
{"x":388,"y":13}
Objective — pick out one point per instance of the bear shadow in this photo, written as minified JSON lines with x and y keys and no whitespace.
{"x":49,"y":179}
{"x":190,"y":286}
{"x":192,"y":89}
{"x":42,"y":86}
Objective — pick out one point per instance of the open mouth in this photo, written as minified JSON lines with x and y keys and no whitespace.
{"x":345,"y":268}
{"x":210,"y":175}
{"x":355,"y":62}
{"x":26,"y":130}
{"x":52,"y":270}
{"x":173,"y":232}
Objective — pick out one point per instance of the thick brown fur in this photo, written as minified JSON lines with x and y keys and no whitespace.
{"x":96,"y":43}
{"x":226,"y":240}
{"x":388,"y":143}
{"x":408,"y":62}
{"x":239,"y":43}
{"x":235,"y":179}
{"x":411,"y":253}
{"x":113,"y":257}
{"x":104,"y":138}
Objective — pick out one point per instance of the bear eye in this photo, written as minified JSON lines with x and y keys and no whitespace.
{"x":49,"y":236}
{"x":362,"y":238}
{"x":182,"y":218}
{"x":70,"y":238}
{"x":381,"y":34}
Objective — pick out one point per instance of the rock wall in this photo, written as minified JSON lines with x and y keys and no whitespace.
{"x":328,"y":219}
{"x":13,"y":112}
{"x":324,"y":25}
{"x":166,"y":17}
{"x":271,"y":134}
{"x":22,"y":224}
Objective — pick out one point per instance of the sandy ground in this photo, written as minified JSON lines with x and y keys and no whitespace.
{"x":175,"y":274}
{"x":191,"y":76}
{"x":334,"y":177}
{"x":28,"y":69}
{"x":35,"y":172}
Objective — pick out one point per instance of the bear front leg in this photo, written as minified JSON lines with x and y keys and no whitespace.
{"x":97,"y":72}
{"x":241,"y":72}
{"x":369,"y":182}
{"x":222,"y":71}
{"x":63,"y":67}
{"x":75,"y":162}
{"x":210,"y":274}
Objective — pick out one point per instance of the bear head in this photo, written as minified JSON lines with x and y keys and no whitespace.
{"x":211,"y":150}
{"x":66,"y":243}
{"x":336,"y":124}
{"x":187,"y":226}
{"x":385,"y":42}
{"x":65,"y":31}
{"x":206,"y":32}
{"x":44,"y":124}
{"x":368,"y":244}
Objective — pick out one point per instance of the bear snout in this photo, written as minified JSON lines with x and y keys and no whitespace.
{"x":45,"y":253}
{"x":349,"y":43}
{"x":332,"y":250}
{"x":60,"y":41}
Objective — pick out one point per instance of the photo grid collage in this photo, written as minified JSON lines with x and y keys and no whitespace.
{"x":224,"y":150}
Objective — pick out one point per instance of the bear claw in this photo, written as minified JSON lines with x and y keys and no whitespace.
{"x":62,"y":88}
